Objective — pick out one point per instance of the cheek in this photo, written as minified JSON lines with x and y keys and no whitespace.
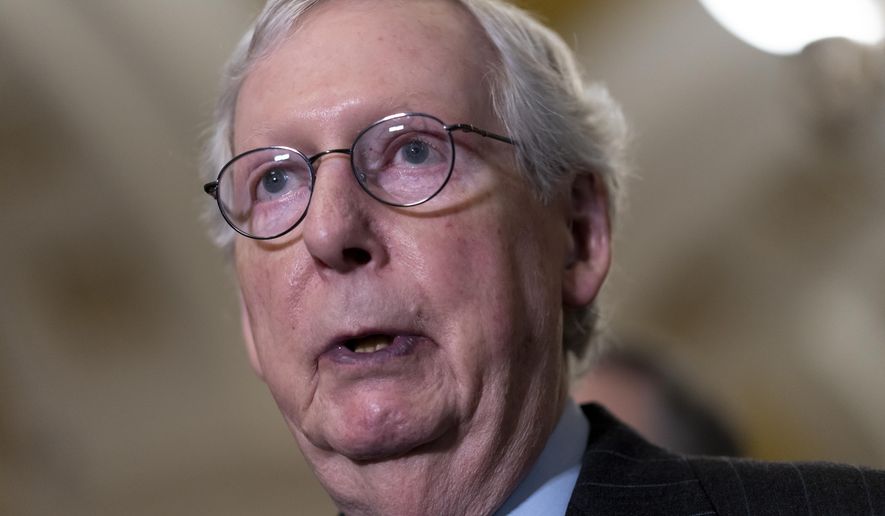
{"x":498,"y":277}
{"x":266,"y":286}
{"x":274,"y":313}
{"x":471,"y":264}
{"x":270,"y":279}
{"x":257,"y":280}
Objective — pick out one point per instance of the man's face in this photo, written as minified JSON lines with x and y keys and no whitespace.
{"x":465,"y":290}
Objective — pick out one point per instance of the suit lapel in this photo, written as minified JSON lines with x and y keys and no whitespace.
{"x":622,"y":473}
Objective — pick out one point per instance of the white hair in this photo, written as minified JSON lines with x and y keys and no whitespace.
{"x":564,"y":126}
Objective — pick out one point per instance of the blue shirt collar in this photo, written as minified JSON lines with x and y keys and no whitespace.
{"x":548,"y":486}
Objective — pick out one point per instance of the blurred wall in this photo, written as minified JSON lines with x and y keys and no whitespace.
{"x":752,"y":251}
{"x":751,"y":255}
{"x":125,"y":388}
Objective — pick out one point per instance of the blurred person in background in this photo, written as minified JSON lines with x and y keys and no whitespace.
{"x":417,"y":198}
{"x":640,"y":391}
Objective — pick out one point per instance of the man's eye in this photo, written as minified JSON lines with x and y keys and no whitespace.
{"x":274,"y":181}
{"x":415,"y":152}
{"x":278,"y":182}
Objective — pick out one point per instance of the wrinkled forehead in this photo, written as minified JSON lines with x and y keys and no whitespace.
{"x":427,"y":54}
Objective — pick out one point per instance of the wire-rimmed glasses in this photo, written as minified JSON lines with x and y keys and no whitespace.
{"x":401,"y":160}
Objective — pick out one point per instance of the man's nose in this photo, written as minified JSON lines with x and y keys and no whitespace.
{"x":339,"y":228}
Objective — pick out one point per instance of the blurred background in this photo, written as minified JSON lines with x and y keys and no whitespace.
{"x":750,"y":263}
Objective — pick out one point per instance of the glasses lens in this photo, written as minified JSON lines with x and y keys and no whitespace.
{"x":405,"y":160}
{"x":265,"y":192}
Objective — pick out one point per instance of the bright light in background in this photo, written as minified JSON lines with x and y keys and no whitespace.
{"x":787,"y":26}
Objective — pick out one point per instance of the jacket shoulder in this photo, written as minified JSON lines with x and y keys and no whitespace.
{"x":740,"y":486}
{"x":622,"y":473}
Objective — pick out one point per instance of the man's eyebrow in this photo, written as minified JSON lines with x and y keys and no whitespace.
{"x":357,"y":116}
{"x":257,"y":137}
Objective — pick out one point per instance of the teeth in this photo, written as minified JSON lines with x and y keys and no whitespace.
{"x":372,"y":344}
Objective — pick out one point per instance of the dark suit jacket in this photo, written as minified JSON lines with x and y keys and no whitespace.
{"x":624,"y":474}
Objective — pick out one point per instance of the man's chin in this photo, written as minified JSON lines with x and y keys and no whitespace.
{"x":374,"y":434}
{"x":377,"y":450}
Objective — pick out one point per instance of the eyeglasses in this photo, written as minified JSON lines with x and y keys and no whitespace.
{"x":401,"y":160}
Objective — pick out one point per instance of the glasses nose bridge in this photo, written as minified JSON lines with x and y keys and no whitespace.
{"x":316,"y":157}
{"x":313,"y":159}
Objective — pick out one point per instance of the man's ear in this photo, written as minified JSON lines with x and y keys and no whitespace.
{"x":588,"y":263}
{"x":249,"y":338}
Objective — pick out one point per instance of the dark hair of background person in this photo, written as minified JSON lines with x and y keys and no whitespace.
{"x":640,"y":389}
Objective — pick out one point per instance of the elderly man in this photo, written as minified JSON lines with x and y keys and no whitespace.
{"x":422,"y":192}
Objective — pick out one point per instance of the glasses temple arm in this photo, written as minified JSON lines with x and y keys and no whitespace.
{"x":211,"y":188}
{"x":473,"y":129}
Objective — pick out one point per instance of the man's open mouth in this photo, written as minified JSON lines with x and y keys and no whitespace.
{"x":369,"y":344}
{"x":374,"y":348}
